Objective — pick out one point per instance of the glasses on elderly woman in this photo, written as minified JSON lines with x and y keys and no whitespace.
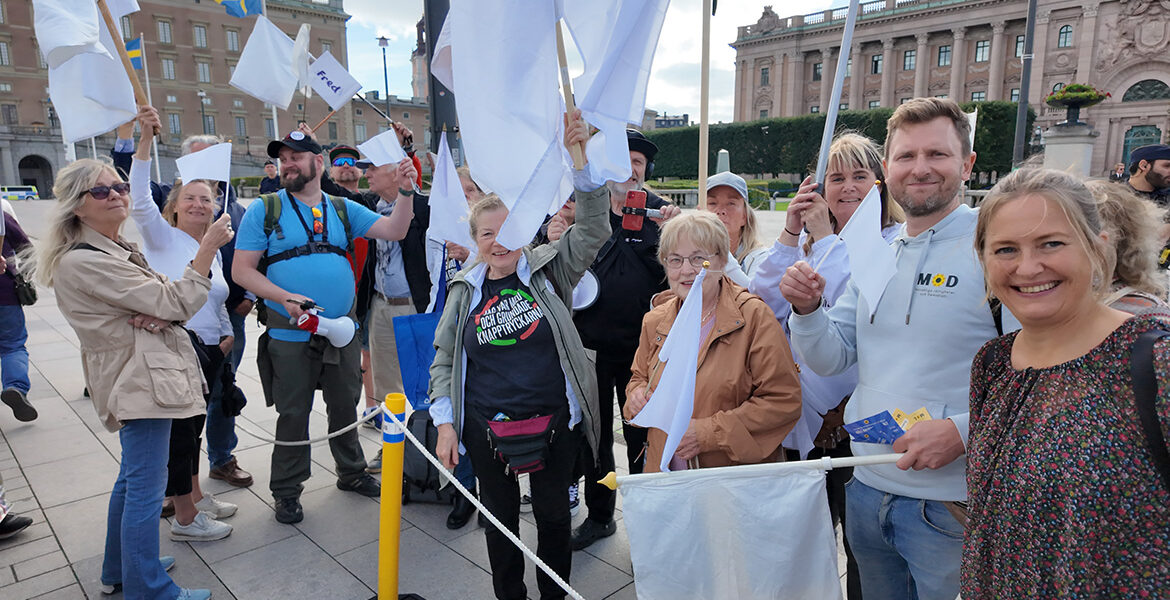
{"x":676,"y":262}
{"x":101,"y":192}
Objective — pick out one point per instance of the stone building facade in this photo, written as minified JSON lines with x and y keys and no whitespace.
{"x":968,"y":50}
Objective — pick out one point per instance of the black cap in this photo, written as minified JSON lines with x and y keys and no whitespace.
{"x":268,"y":162}
{"x":344,"y":151}
{"x":297,"y":141}
{"x":639,"y":143}
{"x":1151,"y":153}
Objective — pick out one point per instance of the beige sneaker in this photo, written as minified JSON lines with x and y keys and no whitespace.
{"x":201,"y":529}
{"x":218,"y":509}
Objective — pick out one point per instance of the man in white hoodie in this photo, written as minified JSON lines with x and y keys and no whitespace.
{"x":915,"y":351}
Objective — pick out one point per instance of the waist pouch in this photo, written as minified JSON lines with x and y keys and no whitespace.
{"x":523,"y":445}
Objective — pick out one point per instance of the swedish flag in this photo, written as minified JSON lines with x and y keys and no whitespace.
{"x":241,"y":8}
{"x":134,"y":50}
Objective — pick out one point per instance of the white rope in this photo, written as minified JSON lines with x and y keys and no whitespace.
{"x":475,"y":501}
{"x":311,"y":441}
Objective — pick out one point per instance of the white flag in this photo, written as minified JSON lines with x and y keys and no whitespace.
{"x":617,"y":39}
{"x":673,"y":402}
{"x":720,"y":535}
{"x":87,"y":82}
{"x":872,"y":261}
{"x":972,"y":118}
{"x":448,"y":202}
{"x":383,"y":149}
{"x":335,"y":85}
{"x":300,"y":59}
{"x":213,"y":162}
{"x":266,"y":70}
{"x":499,"y":58}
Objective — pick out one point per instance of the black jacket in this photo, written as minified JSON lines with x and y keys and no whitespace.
{"x":414,"y":258}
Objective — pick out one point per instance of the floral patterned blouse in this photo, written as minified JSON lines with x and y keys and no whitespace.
{"x":1065,"y":500}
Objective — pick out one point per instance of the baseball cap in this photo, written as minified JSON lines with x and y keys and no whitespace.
{"x":1151,"y":153}
{"x":730,"y":180}
{"x":296,"y":140}
{"x":343,"y":151}
{"x":268,"y":162}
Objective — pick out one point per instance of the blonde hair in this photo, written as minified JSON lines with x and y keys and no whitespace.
{"x":169,"y":207}
{"x":925,"y":110}
{"x":64,"y":226}
{"x":489,"y":203}
{"x":704,"y":229}
{"x":849,"y":151}
{"x":1132,"y":223}
{"x":1075,"y":201}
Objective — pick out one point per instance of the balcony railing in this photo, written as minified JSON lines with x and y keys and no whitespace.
{"x":871,"y":9}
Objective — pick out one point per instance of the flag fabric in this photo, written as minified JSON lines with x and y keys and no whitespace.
{"x":673,"y":402}
{"x":972,"y":118}
{"x":715,"y":534}
{"x":499,"y":58}
{"x":134,"y":51}
{"x":87,"y":82}
{"x":266,"y":69}
{"x":332,"y":81}
{"x":300,"y":59}
{"x":617,"y":39}
{"x":213,"y":162}
{"x":448,"y":202}
{"x":872,"y":261}
{"x":242,"y":8}
{"x":383,"y":149}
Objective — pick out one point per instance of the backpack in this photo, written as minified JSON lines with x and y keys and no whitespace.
{"x":420,"y":479}
{"x":1145,"y":392}
{"x":272,"y":210}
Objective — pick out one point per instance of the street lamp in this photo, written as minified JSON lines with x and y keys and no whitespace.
{"x":384,"y":41}
{"x":202,"y":117}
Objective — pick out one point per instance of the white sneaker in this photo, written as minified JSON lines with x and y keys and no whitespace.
{"x":202,"y":528}
{"x":218,"y":509}
{"x":574,"y":500}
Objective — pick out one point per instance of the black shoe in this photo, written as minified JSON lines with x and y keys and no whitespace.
{"x":13,"y":524}
{"x":364,"y":485}
{"x":590,"y":531}
{"x":18,"y":402}
{"x":288,"y":510}
{"x":483,"y":521}
{"x":461,"y":513}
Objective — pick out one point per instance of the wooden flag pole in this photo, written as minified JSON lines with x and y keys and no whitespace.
{"x":318,"y":125}
{"x":577,"y":150}
{"x":139,"y":93}
{"x":704,"y":91}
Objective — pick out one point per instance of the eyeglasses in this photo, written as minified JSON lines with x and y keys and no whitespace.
{"x":101,"y":192}
{"x":676,"y":262}
{"x":345,"y":161}
{"x":318,"y":227}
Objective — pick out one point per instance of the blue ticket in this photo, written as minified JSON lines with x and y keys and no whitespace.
{"x":878,"y":429}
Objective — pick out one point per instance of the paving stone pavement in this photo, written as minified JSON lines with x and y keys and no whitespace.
{"x":59,"y":470}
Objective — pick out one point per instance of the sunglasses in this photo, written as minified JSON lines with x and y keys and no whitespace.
{"x":101,"y":192}
{"x":344,"y":161}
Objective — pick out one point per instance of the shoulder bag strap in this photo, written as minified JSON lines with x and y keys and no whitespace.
{"x":1145,"y":391}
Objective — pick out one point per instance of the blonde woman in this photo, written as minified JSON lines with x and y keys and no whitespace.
{"x":1139,"y":287}
{"x":727,"y":195}
{"x":139,"y":366}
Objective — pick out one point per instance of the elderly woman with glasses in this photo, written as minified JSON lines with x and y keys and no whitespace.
{"x":747,"y":392}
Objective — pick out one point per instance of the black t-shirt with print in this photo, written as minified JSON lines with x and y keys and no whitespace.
{"x":512,"y":361}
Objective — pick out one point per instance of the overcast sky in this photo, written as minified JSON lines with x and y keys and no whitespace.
{"x":674,"y":81}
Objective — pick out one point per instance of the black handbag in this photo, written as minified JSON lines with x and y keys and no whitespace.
{"x":26,"y":292}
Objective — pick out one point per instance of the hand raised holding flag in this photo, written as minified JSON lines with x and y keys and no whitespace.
{"x":802,"y":287}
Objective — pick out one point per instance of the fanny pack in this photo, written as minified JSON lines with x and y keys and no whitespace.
{"x":523,"y":445}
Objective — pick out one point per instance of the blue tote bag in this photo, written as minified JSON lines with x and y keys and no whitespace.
{"x":414,"y":337}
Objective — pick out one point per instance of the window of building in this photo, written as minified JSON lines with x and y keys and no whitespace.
{"x":2,"y":21}
{"x":814,"y":109}
{"x":174,"y":122}
{"x":944,"y":56}
{"x":843,"y":106}
{"x":127,"y":29}
{"x":5,"y":58}
{"x":241,"y":126}
{"x":978,"y":96}
{"x":941,"y":96}
{"x":5,"y":87}
{"x":1019,"y":46}
{"x":10,"y":115}
{"x":237,"y":103}
{"x":206,"y":101}
{"x":1057,"y":87}
{"x":326,"y":47}
{"x":233,"y":40}
{"x":1064,"y":38}
{"x":203,"y":72}
{"x":269,"y":128}
{"x":300,"y":107}
{"x":982,"y":51}
{"x":875,"y":104}
{"x":168,"y":68}
{"x":231,"y":70}
{"x":875,"y":64}
{"x":903,"y":100}
{"x":1147,"y":89}
{"x":1015,"y":97}
{"x":40,"y":57}
{"x":764,"y":114}
{"x":208,"y":124}
{"x":164,"y":32}
{"x":357,"y":111}
{"x":200,"y":36}
{"x":172,"y":99}
{"x":359,"y":131}
{"x":765,"y":78}
{"x":848,"y":66}
{"x":909,"y":60}
{"x":332,"y":130}
{"x":818,"y":71}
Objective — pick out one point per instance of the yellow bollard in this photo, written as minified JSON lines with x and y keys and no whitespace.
{"x":390,"y":519}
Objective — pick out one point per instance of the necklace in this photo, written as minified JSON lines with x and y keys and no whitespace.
{"x":708,"y":314}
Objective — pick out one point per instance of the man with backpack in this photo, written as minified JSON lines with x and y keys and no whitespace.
{"x":303,"y":235}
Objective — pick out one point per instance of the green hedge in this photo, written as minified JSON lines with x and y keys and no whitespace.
{"x":790,"y":144}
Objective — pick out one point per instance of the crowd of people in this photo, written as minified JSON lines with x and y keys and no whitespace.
{"x":1026,"y":328}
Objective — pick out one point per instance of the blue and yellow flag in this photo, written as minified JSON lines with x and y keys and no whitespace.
{"x":134,"y":50}
{"x":241,"y":8}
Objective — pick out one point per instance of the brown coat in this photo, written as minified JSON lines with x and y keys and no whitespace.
{"x":747,"y":391}
{"x":131,"y":373}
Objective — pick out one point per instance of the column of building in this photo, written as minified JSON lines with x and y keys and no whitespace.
{"x":921,"y":65}
{"x":856,"y":77}
{"x":1037,"y":92}
{"x":995,"y":72}
{"x":795,"y":82}
{"x":777,"y":85}
{"x":828,"y":68}
{"x":888,"y":72}
{"x":742,"y":90}
{"x":958,"y":63}
{"x":1087,"y":41}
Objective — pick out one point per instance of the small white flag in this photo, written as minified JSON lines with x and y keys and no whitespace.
{"x":334,"y":84}
{"x":673,"y":402}
{"x":872,"y":261}
{"x":266,"y":70}
{"x":972,"y":118}
{"x":213,"y":162}
{"x":448,"y":202}
{"x":300,"y":59}
{"x":383,"y":149}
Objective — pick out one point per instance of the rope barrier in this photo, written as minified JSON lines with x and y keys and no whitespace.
{"x":310,"y":441}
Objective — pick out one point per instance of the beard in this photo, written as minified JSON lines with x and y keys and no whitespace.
{"x":931,"y":204}
{"x":623,"y":187}
{"x":1157,"y":180}
{"x":296,"y":184}
{"x":346,"y":176}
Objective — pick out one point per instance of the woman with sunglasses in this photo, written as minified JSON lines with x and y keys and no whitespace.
{"x":170,"y":240}
{"x":139,"y":366}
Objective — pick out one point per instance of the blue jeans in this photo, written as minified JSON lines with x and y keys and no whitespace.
{"x":238,"y":344}
{"x":221,"y":429}
{"x":132,"y":525}
{"x":13,"y":354}
{"x":906,"y":548}
{"x":464,"y":472}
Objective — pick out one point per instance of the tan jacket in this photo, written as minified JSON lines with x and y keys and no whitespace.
{"x":747,"y":391}
{"x":131,"y":373}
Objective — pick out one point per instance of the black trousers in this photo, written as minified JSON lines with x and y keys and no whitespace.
{"x":835,"y":480}
{"x":500,"y":493}
{"x":184,"y":454}
{"x":611,"y":377}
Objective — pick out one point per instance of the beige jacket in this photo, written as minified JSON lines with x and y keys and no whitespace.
{"x":747,"y":391}
{"x":131,"y":373}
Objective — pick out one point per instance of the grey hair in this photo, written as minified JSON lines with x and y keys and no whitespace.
{"x":191,"y":140}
